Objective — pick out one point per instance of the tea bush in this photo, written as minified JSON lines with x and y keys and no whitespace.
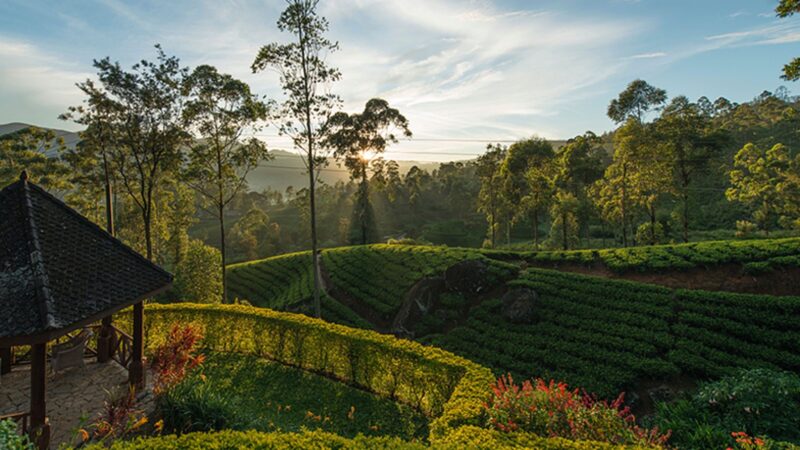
{"x":757,"y":402}
{"x":770,"y":252}
{"x":604,"y":335}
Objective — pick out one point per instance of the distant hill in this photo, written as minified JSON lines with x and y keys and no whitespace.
{"x":71,"y":138}
{"x":285,"y":170}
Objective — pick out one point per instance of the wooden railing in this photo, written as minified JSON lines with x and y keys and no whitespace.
{"x":122,"y":347}
{"x":22,"y":419}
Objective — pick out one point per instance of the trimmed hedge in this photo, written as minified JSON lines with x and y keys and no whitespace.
{"x":465,"y":437}
{"x":756,"y":255}
{"x":434,"y":381}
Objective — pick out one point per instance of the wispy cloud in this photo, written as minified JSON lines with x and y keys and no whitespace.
{"x":648,"y":55}
{"x":35,"y":81}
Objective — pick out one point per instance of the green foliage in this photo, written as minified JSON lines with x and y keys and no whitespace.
{"x":379,"y":276}
{"x":466,"y":437}
{"x":758,"y":180}
{"x":429,"y":379}
{"x":275,"y":282}
{"x":716,"y":333}
{"x":194,"y":405}
{"x":10,"y":439}
{"x":243,"y":392}
{"x":197,"y":277}
{"x":758,"y":402}
{"x":36,"y":151}
{"x":635,"y":101}
{"x":598,"y":334}
{"x":605,"y":335}
{"x":650,"y":234}
{"x":679,"y":256}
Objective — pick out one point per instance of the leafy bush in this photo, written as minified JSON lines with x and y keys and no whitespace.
{"x":10,"y":440}
{"x":655,"y":258}
{"x":551,"y":409}
{"x":192,"y":405}
{"x":650,"y":234}
{"x":198,"y":278}
{"x":758,"y":402}
{"x":466,"y":437}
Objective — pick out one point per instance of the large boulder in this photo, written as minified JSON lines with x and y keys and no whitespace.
{"x":467,"y":277}
{"x":519,"y":305}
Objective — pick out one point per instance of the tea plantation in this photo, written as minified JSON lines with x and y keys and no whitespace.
{"x":754,"y":255}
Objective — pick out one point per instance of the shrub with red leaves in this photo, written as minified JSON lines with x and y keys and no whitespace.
{"x":553,"y":410}
{"x":174,"y":359}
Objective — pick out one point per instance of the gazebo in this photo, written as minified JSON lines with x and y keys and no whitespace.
{"x":60,"y":273}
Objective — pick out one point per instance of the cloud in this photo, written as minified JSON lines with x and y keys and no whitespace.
{"x":648,"y":55}
{"x":38,"y":83}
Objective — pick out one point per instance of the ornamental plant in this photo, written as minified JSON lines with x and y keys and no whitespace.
{"x":174,"y":359}
{"x":551,"y":409}
{"x":120,"y":417}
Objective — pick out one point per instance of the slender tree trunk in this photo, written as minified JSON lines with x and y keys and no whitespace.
{"x":493,"y":213}
{"x":535,"y":218}
{"x":685,"y":215}
{"x":623,"y":205}
{"x":652,"y":224}
{"x":222,"y":251}
{"x":311,"y":182}
{"x":364,"y":203}
{"x":564,"y":229}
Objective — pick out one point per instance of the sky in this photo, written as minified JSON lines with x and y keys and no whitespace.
{"x":464,"y":72}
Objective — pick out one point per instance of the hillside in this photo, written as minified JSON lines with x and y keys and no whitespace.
{"x":605,"y":335}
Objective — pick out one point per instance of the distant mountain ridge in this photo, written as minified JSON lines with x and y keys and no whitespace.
{"x":286,"y":169}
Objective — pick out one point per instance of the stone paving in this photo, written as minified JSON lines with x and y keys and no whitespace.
{"x":72,"y":395}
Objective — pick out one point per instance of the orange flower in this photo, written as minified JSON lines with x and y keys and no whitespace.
{"x":84,"y":435}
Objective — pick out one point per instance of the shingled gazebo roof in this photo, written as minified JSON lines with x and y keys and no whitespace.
{"x":59,"y":271}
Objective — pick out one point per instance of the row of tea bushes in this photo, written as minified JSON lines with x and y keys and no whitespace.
{"x":274,"y":282}
{"x":756,"y":255}
{"x":605,"y":335}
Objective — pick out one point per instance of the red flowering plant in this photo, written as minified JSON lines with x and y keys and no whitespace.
{"x":552,"y":409}
{"x":176,"y":357}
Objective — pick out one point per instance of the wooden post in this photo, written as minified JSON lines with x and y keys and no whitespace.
{"x":40,"y":428}
{"x":136,"y":367}
{"x":105,"y":341}
{"x":7,"y":355}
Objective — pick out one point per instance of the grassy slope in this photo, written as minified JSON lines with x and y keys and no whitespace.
{"x":279,"y":398}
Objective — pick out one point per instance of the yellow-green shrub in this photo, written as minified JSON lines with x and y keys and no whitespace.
{"x":466,"y":437}
{"x":448,"y":388}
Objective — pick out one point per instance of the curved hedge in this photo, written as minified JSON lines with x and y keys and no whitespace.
{"x":444,"y":386}
{"x":466,"y":437}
